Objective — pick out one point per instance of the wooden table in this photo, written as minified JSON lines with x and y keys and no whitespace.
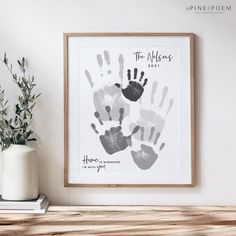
{"x":123,"y":220}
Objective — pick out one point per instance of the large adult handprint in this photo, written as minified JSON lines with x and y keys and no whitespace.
{"x":108,"y":94}
{"x":151,"y":126}
{"x":135,"y":88}
{"x":113,"y":140}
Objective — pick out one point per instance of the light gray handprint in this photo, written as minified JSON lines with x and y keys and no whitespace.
{"x":108,"y":95}
{"x":151,"y":126}
{"x":146,"y":156}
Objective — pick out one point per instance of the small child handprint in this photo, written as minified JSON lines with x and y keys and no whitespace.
{"x":113,"y":139}
{"x":135,"y":88}
{"x":146,"y":156}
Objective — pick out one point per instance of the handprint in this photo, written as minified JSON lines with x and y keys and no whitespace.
{"x":108,"y":95}
{"x":151,"y":122}
{"x":146,"y":156}
{"x":113,"y":139}
{"x":112,"y":97}
{"x":135,"y":88}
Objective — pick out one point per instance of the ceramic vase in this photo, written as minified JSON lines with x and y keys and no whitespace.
{"x":19,"y":173}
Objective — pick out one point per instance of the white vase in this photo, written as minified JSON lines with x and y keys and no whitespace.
{"x":19,"y":173}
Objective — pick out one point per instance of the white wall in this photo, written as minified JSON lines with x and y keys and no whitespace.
{"x":34,"y":29}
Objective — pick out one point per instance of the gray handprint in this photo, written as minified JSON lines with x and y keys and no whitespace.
{"x":113,"y":140}
{"x":151,"y":126}
{"x":108,"y":95}
{"x":146,"y":156}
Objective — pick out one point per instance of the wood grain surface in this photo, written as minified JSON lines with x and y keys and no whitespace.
{"x":123,"y":220}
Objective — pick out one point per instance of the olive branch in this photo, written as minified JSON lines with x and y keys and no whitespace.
{"x":17,"y":129}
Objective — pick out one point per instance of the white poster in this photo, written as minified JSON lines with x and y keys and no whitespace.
{"x":129,"y":110}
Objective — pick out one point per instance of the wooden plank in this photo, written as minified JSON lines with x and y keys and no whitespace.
{"x":123,"y":220}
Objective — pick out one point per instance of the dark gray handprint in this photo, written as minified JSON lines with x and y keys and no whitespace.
{"x":135,"y":88}
{"x":151,"y":122}
{"x":113,"y":140}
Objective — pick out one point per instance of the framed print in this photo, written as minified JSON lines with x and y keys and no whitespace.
{"x":129,"y":110}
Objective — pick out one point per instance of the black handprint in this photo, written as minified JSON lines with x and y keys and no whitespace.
{"x":113,"y":139}
{"x":134,"y":89}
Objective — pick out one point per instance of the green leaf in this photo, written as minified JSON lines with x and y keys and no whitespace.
{"x":5,"y":60}
{"x":19,"y":63}
{"x":23,"y":61}
{"x":31,"y":139}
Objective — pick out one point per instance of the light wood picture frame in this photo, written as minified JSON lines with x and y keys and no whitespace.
{"x":129,"y":110}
